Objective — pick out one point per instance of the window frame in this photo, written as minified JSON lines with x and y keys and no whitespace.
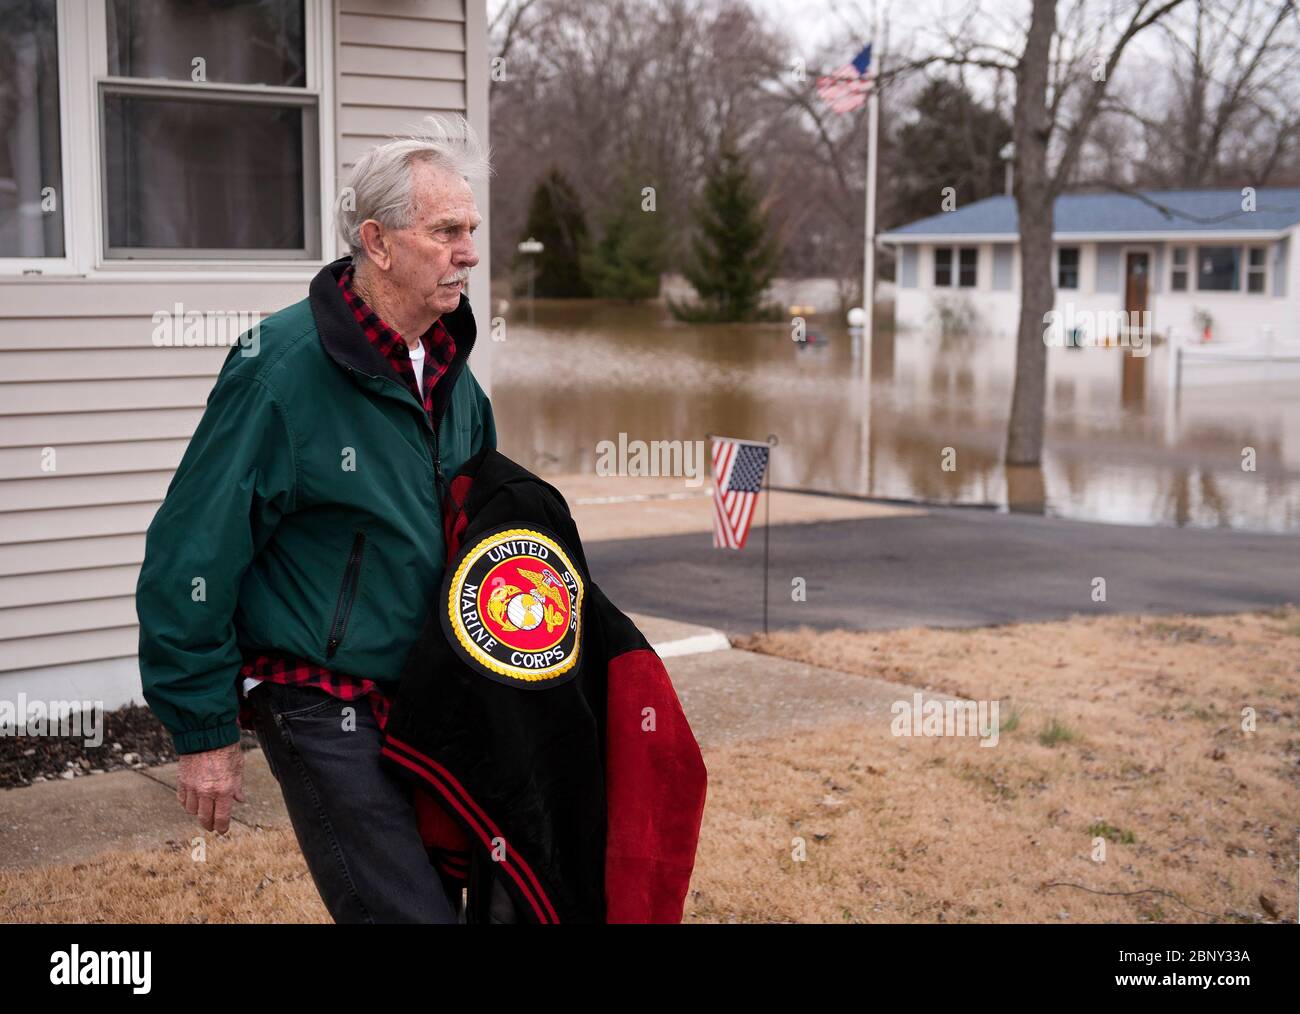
{"x":64,"y":264}
{"x":207,"y":92}
{"x":1185,"y":268}
{"x":1261,"y":270}
{"x":947,"y":284}
{"x":958,"y":257}
{"x":952,"y":267}
{"x":1240,"y":275}
{"x":954,"y":253}
{"x":83,"y":66}
{"x":1078,"y":267}
{"x":1244,"y":269}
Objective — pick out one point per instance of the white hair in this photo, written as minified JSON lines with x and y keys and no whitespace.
{"x":380,"y":187}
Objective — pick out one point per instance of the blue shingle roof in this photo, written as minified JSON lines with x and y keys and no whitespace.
{"x":1197,"y":211}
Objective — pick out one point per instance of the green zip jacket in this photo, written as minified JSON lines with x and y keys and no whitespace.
{"x":305,"y":516}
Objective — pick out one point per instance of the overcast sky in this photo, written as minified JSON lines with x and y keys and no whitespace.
{"x":814,"y":22}
{"x":808,"y":21}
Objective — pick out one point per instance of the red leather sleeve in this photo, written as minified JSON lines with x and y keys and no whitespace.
{"x":655,"y":788}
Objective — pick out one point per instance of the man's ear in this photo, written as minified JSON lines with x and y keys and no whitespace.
{"x":374,"y":241}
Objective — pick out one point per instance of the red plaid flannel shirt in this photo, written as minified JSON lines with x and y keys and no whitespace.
{"x":439,"y":349}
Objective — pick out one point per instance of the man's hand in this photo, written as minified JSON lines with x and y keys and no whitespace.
{"x":207,"y":783}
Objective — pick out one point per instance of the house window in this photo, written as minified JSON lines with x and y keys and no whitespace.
{"x":1218,"y":269}
{"x":31,"y":153}
{"x":210,"y":145}
{"x":969,"y":260}
{"x":943,"y":266}
{"x":1256,"y":268}
{"x":956,"y":266}
{"x":1178,"y":277}
{"x":1067,"y":267}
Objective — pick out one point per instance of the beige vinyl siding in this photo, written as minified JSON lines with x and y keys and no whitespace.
{"x":79,"y":372}
{"x":397,"y":61}
{"x":81,"y":377}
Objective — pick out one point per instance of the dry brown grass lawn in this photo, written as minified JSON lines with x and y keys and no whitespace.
{"x":1148,"y":754}
{"x":247,"y":877}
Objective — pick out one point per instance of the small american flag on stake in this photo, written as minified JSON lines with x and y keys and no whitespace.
{"x":738,"y":467}
{"x":847,"y":88}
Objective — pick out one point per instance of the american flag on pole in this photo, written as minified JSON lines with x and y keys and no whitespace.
{"x":847,"y":88}
{"x":738,"y":467}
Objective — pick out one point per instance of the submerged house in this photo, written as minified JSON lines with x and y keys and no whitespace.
{"x":168,"y":160}
{"x":1219,"y":264}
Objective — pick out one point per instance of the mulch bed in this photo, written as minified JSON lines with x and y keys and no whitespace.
{"x":132,"y":738}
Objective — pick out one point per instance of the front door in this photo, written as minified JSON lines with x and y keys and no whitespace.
{"x":1137,"y":281}
{"x":1137,"y":286}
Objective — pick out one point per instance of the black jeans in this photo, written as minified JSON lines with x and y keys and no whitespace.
{"x":355,"y":821}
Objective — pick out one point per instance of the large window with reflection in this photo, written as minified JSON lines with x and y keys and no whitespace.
{"x":31,"y":147}
{"x":209,"y":134}
{"x":1218,"y":268}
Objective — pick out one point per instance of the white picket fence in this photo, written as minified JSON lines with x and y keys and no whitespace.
{"x":1262,"y":346}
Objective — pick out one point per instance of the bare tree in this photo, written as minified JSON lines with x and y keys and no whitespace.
{"x":1224,"y":110}
{"x":1043,"y":89}
{"x":611,"y":89}
{"x":1062,"y":70}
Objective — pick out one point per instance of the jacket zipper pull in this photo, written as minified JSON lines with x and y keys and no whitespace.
{"x":439,"y":480}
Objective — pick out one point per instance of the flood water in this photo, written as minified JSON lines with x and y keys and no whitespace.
{"x":1120,"y":447}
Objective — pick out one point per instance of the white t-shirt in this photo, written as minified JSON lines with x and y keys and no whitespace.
{"x":417,"y":364}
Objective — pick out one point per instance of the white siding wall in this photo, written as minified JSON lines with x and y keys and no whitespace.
{"x":79,"y":374}
{"x":81,"y":381}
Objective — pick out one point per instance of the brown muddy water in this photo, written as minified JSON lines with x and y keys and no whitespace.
{"x":1120,"y":447}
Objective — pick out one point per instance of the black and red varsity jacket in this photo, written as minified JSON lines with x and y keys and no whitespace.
{"x":541,"y":720}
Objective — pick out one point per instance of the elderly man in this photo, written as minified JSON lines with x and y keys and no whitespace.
{"x":294,"y":559}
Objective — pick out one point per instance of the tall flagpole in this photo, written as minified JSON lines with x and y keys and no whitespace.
{"x":869,"y":253}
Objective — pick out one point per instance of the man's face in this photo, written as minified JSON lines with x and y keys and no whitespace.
{"x":432,"y":258}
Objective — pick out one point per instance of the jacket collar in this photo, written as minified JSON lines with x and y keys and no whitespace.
{"x":344,"y":341}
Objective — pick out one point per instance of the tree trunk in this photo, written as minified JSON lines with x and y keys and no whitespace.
{"x":1034,"y":197}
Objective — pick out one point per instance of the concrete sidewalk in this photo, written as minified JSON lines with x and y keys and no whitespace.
{"x":623,"y":507}
{"x":728,"y":695}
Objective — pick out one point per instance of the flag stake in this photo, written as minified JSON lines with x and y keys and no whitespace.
{"x":732,"y":518}
{"x":767,"y":528}
{"x":767,"y":520}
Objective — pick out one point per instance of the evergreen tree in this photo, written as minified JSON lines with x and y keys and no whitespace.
{"x":555,"y":217}
{"x":952,"y":141}
{"x":734,"y":258}
{"x":628,"y":260}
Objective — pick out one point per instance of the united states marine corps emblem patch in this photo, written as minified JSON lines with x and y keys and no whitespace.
{"x":514,"y":608}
